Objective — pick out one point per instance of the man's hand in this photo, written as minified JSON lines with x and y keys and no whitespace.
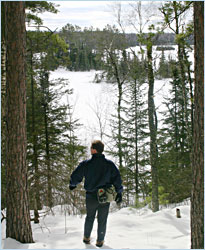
{"x":72,"y":187}
{"x":118,"y":198}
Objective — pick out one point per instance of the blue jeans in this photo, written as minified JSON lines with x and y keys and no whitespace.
{"x":93,"y":206}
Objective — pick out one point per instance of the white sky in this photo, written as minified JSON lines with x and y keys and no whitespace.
{"x":81,"y":13}
{"x":85,"y":13}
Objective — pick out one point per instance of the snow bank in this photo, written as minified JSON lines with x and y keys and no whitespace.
{"x":128,"y":228}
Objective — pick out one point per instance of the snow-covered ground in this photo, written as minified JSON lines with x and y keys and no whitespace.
{"x":127,"y":228}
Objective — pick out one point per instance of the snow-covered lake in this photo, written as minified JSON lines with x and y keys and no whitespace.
{"x":97,"y":101}
{"x":89,"y":99}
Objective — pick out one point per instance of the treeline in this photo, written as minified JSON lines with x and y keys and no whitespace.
{"x":160,"y":39}
{"x":83,"y":44}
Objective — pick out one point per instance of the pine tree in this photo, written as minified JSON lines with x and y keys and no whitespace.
{"x":32,"y":8}
{"x":55,"y":141}
{"x":163,"y":70}
{"x":173,"y":12}
{"x":38,"y":43}
{"x":174,"y":151}
{"x":134,"y":126}
{"x":82,"y":45}
{"x":74,"y":152}
{"x":3,"y":107}
{"x":197,"y":197}
{"x":17,"y":201}
{"x":152,"y":116}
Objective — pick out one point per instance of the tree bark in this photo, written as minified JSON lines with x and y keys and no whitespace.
{"x":17,"y":213}
{"x":136,"y":143}
{"x":153,"y":132}
{"x":181,"y":62}
{"x":197,"y":197}
{"x":36,"y":196}
{"x":119,"y":108}
{"x":45,"y":89}
{"x":3,"y":107}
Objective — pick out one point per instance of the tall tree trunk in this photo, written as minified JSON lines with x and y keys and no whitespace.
{"x":17,"y":213}
{"x":3,"y":107}
{"x":45,"y":88}
{"x":153,"y":131}
{"x":176,"y":127}
{"x":3,"y":61}
{"x":136,"y":143}
{"x":36,"y":196}
{"x":119,"y":124}
{"x":197,"y":197}
{"x":191,"y":95}
{"x":119,"y":108}
{"x":182,"y":73}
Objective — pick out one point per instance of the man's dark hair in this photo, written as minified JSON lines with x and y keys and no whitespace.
{"x":98,"y":145}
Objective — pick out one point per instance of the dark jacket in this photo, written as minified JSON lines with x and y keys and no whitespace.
{"x":98,"y":172}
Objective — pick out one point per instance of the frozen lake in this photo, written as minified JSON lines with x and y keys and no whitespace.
{"x":95,"y":103}
{"x":92,"y":102}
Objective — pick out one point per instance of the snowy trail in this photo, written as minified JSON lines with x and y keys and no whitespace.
{"x":127,"y":228}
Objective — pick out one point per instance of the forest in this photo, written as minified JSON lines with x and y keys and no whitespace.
{"x":160,"y":160}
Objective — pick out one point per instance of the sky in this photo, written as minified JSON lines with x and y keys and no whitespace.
{"x":81,"y":13}
{"x":86,"y":13}
{"x":100,"y":13}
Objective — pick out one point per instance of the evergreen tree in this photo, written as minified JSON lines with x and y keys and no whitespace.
{"x":197,"y":197}
{"x":17,"y":201}
{"x":47,"y":119}
{"x":41,"y":54}
{"x":74,"y":152}
{"x":3,"y":107}
{"x":174,"y":155}
{"x":178,"y":123}
{"x":134,"y":128}
{"x":35,"y":7}
{"x":32,"y":8}
{"x":55,"y":142}
{"x":173,"y":13}
{"x":163,"y":70}
{"x":82,"y":45}
{"x":152,"y":126}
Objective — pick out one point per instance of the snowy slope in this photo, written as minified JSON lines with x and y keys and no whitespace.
{"x":127,"y":228}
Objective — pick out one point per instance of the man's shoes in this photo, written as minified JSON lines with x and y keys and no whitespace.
{"x":99,"y":243}
{"x":86,"y":240}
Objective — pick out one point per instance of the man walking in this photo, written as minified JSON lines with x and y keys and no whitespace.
{"x":98,"y":172}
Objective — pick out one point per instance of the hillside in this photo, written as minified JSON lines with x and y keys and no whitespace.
{"x":160,"y":39}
